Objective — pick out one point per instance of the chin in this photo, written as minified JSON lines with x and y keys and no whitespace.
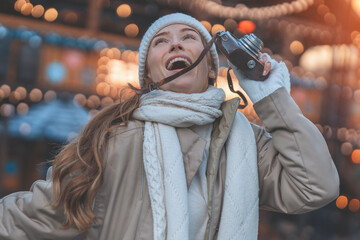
{"x":183,"y":85}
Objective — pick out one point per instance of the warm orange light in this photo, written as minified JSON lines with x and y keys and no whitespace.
{"x":354,"y":205}
{"x":355,"y":156}
{"x":131,"y":30}
{"x":341,"y":202}
{"x":35,"y":95}
{"x":22,"y":91}
{"x":124,"y":10}
{"x":51,"y":14}
{"x":6,"y":89}
{"x":207,"y":25}
{"x":116,"y":53}
{"x":26,"y":9}
{"x":18,"y":5}
{"x":216,"y":28}
{"x":296,"y":47}
{"x":246,"y":26}
{"x":37,"y":11}
{"x":101,"y":87}
{"x":355,"y":4}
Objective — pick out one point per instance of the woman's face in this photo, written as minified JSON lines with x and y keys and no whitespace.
{"x":172,"y":49}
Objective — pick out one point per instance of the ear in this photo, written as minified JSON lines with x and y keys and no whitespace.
{"x":212,"y":74}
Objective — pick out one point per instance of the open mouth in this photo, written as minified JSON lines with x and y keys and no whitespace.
{"x":178,"y":63}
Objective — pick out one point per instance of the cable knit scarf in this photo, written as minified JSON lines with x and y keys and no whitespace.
{"x":162,"y":112}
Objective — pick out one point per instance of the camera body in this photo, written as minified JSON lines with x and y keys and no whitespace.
{"x":243,"y":53}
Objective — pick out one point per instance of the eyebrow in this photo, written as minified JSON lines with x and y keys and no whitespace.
{"x":182,"y":30}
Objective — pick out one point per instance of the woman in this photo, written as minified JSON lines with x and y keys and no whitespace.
{"x":180,"y":162}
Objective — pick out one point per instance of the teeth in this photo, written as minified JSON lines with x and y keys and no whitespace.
{"x":178,"y":59}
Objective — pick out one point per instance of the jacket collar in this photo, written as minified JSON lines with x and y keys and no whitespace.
{"x":192,"y":145}
{"x":192,"y":148}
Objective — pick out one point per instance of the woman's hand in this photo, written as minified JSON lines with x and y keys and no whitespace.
{"x":267,"y":64}
{"x":257,"y":90}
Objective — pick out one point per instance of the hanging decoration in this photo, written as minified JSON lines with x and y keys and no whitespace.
{"x":241,"y":11}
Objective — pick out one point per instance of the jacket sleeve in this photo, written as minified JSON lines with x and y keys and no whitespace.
{"x":296,"y":171}
{"x":29,"y":215}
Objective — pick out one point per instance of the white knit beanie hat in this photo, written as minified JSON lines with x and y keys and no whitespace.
{"x":174,"y":18}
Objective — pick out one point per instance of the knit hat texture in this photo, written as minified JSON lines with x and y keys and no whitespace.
{"x":174,"y":18}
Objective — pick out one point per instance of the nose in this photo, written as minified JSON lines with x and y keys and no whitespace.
{"x":176,"y":45}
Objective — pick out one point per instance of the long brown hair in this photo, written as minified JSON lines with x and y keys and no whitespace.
{"x":78,"y":169}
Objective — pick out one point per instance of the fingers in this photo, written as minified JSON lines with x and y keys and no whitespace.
{"x":267,"y":68}
{"x":267,"y":65}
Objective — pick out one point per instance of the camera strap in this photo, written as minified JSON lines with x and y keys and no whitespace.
{"x":231,"y":86}
{"x":156,"y":85}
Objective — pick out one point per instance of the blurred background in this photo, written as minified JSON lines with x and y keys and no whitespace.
{"x":62,"y":61}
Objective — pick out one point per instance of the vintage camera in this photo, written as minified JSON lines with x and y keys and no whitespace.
{"x":242,"y":53}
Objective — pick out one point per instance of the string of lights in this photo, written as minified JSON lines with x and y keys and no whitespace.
{"x":241,"y":11}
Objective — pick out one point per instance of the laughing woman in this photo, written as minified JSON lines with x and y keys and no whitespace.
{"x":180,"y":162}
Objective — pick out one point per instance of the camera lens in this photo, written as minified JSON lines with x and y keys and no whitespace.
{"x":252,"y":43}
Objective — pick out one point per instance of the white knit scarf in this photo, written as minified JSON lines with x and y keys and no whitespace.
{"x":162,"y":112}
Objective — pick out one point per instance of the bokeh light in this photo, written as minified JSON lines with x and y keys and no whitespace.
{"x":207,"y":25}
{"x":106,"y":101}
{"x":25,"y":129}
{"x":51,"y":14}
{"x":22,"y":91}
{"x":355,"y":156}
{"x":7,"y":110}
{"x":49,"y":96}
{"x":26,"y":9}
{"x":14,"y":97}
{"x":124,"y":10}
{"x":93,"y":101}
{"x":355,"y":4}
{"x":330,"y":18}
{"x":346,"y":148}
{"x":18,"y":5}
{"x":354,"y":205}
{"x":246,"y":26}
{"x":80,"y":99}
{"x":6,"y":89}
{"x":35,"y":95}
{"x":216,"y":28}
{"x":131,"y":30}
{"x":230,"y":24}
{"x":341,"y":202}
{"x":37,"y":11}
{"x":56,"y":72}
{"x":22,"y":109}
{"x":296,"y":47}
